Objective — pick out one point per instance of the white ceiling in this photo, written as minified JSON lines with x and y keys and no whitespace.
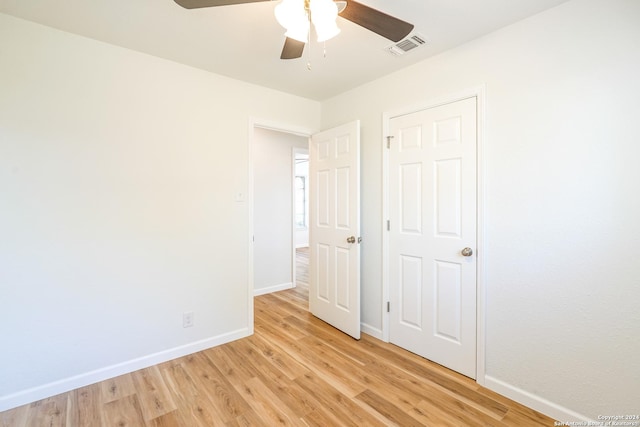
{"x":244,"y":41}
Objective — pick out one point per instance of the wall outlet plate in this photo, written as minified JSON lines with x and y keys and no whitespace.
{"x":187,"y":319}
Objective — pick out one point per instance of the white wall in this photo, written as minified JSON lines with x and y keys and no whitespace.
{"x":118,"y":178}
{"x":562,"y":199}
{"x":273,"y":208}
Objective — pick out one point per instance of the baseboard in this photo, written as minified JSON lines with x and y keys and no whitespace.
{"x":274,"y":288}
{"x":62,"y":386}
{"x":370,"y":330}
{"x":551,"y":409}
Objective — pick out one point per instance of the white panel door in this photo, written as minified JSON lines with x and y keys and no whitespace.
{"x":334,"y":231}
{"x":432,"y":209}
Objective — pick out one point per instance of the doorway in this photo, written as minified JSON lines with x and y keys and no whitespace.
{"x":334,"y":169}
{"x":334,"y":234}
{"x":275,"y":224}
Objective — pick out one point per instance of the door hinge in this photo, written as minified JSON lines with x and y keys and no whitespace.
{"x":389,"y":138}
{"x":388,"y":307}
{"x":388,"y":225}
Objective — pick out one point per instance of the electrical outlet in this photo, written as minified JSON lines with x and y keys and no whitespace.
{"x":187,"y":319}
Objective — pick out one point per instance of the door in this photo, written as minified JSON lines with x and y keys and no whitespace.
{"x":432,"y":236}
{"x":334,"y":242}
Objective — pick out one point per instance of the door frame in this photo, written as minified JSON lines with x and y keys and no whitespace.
{"x":262,"y":123}
{"x":479,"y":93}
{"x":294,"y":152}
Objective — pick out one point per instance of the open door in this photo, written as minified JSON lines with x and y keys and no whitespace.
{"x":334,"y":229}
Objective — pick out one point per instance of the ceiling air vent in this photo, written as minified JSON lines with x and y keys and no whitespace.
{"x":408,"y":43}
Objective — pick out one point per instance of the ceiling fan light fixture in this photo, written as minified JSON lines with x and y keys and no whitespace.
{"x":294,"y":15}
{"x":299,"y":32}
{"x":327,"y":32}
{"x":290,"y":13}
{"x":323,"y":15}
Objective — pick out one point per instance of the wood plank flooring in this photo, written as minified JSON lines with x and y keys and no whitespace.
{"x":302,"y":266}
{"x":294,"y":371}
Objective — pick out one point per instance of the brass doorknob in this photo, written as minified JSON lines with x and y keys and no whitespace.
{"x":351,"y":239}
{"x":467,"y":252}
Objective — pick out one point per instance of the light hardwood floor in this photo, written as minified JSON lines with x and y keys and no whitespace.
{"x":302,"y":267}
{"x":294,"y":371}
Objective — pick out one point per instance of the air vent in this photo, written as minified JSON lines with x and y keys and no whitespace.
{"x":412,"y":41}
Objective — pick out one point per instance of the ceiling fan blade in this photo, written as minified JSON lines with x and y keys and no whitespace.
{"x":194,"y":4}
{"x":292,"y":49}
{"x":380,"y":23}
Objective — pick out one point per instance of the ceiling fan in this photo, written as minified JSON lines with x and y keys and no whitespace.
{"x":380,"y":23}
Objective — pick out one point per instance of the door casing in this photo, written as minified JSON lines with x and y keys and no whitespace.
{"x":479,"y":93}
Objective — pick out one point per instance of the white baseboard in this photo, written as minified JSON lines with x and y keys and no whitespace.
{"x":370,"y":330}
{"x":551,"y":409}
{"x":274,"y":288}
{"x":62,"y":386}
